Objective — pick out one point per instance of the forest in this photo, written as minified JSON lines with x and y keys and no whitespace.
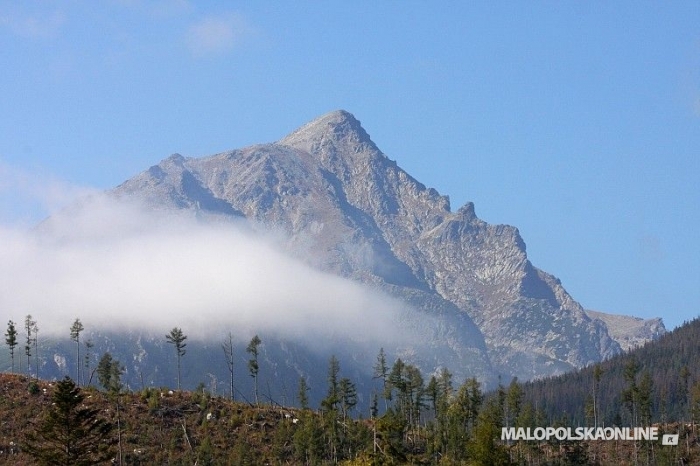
{"x":656,"y":383}
{"x":413,"y":418}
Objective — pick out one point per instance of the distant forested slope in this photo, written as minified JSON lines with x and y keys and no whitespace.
{"x":659,"y":382}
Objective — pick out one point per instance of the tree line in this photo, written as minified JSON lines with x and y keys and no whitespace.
{"x":409,"y":415}
{"x":109,"y":370}
{"x":435,"y":419}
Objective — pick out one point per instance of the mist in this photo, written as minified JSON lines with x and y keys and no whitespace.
{"x":121,"y":267}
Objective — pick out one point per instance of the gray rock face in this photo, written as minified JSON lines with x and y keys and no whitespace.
{"x":348,"y":209}
{"x":630,"y":332}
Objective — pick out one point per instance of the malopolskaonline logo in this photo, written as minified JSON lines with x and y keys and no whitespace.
{"x":585,"y":433}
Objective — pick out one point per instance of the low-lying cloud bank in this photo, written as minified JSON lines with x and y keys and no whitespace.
{"x":119,"y":266}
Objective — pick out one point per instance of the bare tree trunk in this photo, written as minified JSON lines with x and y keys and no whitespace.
{"x":119,"y":432}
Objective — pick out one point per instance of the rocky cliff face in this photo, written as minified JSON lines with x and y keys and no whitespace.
{"x":630,"y":332}
{"x":346,"y":208}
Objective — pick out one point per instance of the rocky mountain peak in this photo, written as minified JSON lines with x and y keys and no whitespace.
{"x":349,"y":210}
{"x":330,"y":134}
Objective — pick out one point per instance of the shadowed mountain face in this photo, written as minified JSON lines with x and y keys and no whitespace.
{"x":345,"y":208}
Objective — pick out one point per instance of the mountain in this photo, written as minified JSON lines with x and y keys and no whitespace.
{"x":345,"y":208}
{"x":630,"y":332}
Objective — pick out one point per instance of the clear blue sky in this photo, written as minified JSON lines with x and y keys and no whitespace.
{"x":577,"y":122}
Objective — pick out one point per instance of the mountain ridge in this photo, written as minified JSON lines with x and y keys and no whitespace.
{"x":348,"y":209}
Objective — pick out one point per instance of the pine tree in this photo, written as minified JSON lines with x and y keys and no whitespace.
{"x":374,"y":406}
{"x":11,"y":340}
{"x":28,"y":327}
{"x":177,"y":339}
{"x":415,"y":391}
{"x":109,"y":372}
{"x":88,"y":357}
{"x":348,"y":396}
{"x":390,"y":432}
{"x":330,"y":403}
{"x":70,"y":434}
{"x":463,"y":411}
{"x":308,"y":439}
{"x":253,"y":365}
{"x":630,"y":395}
{"x":482,"y":447}
{"x":443,"y":387}
{"x":695,"y":403}
{"x":329,"y":407}
{"x":597,"y":374}
{"x":432,"y":392}
{"x":470,"y":399}
{"x":381,"y":371}
{"x":645,"y":399}
{"x":513,"y":402}
{"x":302,"y":394}
{"x":75,"y":330}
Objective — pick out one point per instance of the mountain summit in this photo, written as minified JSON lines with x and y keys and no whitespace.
{"x":346,"y":208}
{"x":339,"y":129}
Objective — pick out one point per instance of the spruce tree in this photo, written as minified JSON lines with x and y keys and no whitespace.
{"x":109,"y":372}
{"x":630,"y":395}
{"x":415,"y":390}
{"x":75,"y":330}
{"x":253,"y":365}
{"x":330,"y":403}
{"x":88,"y":357}
{"x":695,"y":403}
{"x":432,"y":391}
{"x":482,"y":446}
{"x":177,"y":339}
{"x":441,"y":392}
{"x":70,"y":433}
{"x":28,"y":327}
{"x":308,"y":439}
{"x":597,"y":374}
{"x":11,"y":340}
{"x":329,"y":407}
{"x":348,"y":396}
{"x":302,"y":394}
{"x":645,"y":399}
{"x":513,"y":402}
{"x":381,"y":371}
{"x":462,"y":414}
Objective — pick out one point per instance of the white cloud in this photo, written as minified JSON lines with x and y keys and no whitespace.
{"x":117,"y":266}
{"x":214,"y":35}
{"x":29,"y":196}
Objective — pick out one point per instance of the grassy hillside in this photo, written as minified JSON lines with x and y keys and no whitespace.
{"x":157,"y":427}
{"x":416,"y":421}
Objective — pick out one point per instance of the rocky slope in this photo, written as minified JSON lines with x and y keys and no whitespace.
{"x":630,"y":332}
{"x":346,"y":208}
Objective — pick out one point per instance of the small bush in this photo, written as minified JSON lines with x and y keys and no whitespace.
{"x":33,"y":388}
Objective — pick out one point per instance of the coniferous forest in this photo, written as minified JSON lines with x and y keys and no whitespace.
{"x":414,"y":418}
{"x":660,"y":382}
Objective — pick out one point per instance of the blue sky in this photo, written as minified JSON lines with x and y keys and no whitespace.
{"x":577,"y":122}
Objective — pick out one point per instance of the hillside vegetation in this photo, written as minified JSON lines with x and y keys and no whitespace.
{"x":659,"y":382}
{"x":411,"y":420}
{"x":161,"y":426}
